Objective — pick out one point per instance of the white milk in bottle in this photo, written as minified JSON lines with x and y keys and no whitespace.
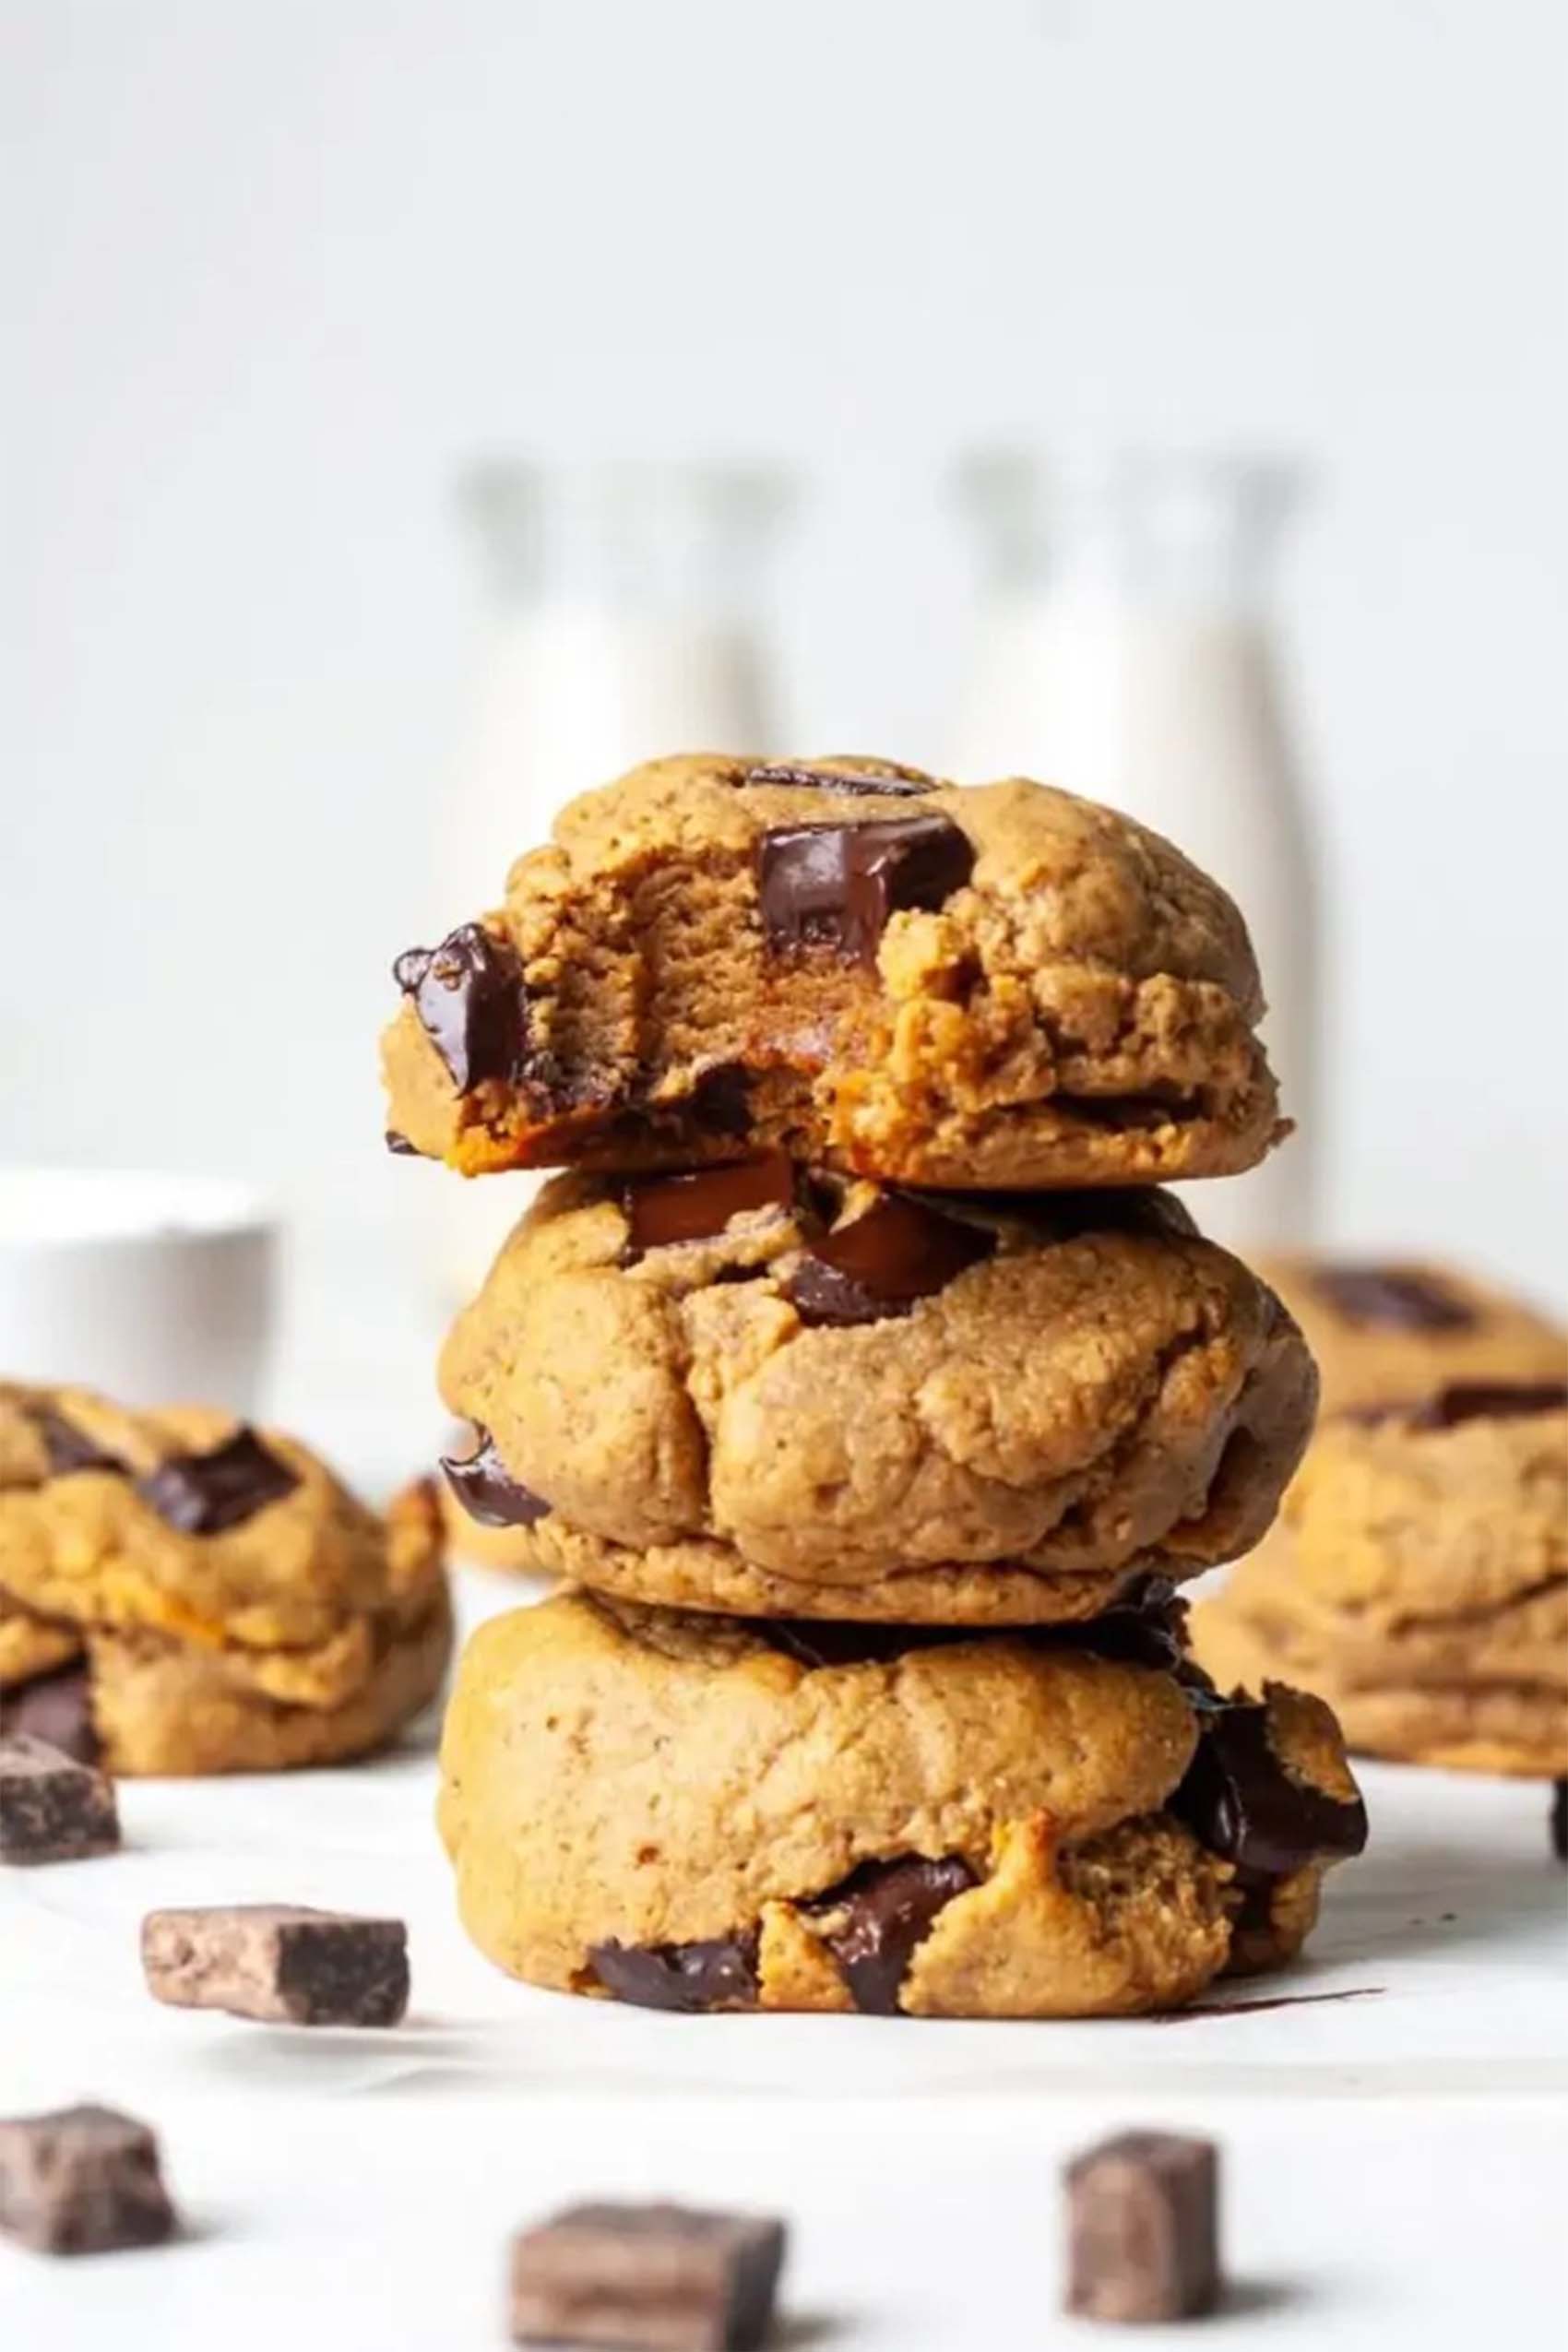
{"x":1125,"y":650}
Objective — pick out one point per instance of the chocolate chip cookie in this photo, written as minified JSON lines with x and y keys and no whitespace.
{"x":698,"y":1813}
{"x":1418,"y":1576}
{"x":750,"y":1389}
{"x":182,"y":1594}
{"x":1393,"y":1330}
{"x":996,"y":985}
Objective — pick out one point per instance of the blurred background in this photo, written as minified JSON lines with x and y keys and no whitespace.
{"x":375,"y":361}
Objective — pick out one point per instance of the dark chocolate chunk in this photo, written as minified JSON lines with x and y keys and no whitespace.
{"x":280,"y":1963}
{"x":56,"y":1708}
{"x":1391,"y":1296}
{"x":1241,"y":1802}
{"x":1145,"y":1625}
{"x":401,"y":1146}
{"x":720,"y":1103}
{"x":53,"y":1809}
{"x":1142,"y":2228}
{"x":1560,"y":1820}
{"x":488,"y":1491}
{"x":662,"y":1210}
{"x":69,"y":1448}
{"x":900,"y":786}
{"x":470,"y":997}
{"x":82,"y":2180}
{"x":1499,"y":1400}
{"x":889,"y":1909}
{"x":717,"y":1973}
{"x":204,"y":1494}
{"x":834,"y":887}
{"x":816,"y":1642}
{"x":898,"y":1252}
{"x":661,"y":2277}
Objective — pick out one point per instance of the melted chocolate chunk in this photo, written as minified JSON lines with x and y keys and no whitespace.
{"x":70,"y":1448}
{"x":819,"y":1642}
{"x":1241,"y":1802}
{"x":469,"y":998}
{"x":898,"y":1252}
{"x":720,"y":1103}
{"x":1466,"y":1400}
{"x":890,"y":1909}
{"x":400,"y":1145}
{"x":719,"y":1973}
{"x":488,"y":1491}
{"x":203,"y":1494}
{"x":821,"y":779}
{"x":665,"y":1209}
{"x":1145,"y":1625}
{"x":834,"y":887}
{"x":55,"y":1707}
{"x":1560,"y":1820}
{"x":1390,"y":1296}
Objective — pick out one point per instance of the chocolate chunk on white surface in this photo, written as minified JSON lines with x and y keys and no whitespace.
{"x":81,"y":2180}
{"x":1142,"y":2228}
{"x":281,"y":1963}
{"x":52,"y":1807}
{"x":662,"y":2278}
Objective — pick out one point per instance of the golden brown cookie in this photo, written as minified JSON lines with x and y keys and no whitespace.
{"x":192,"y":1597}
{"x":995,"y":985}
{"x":1390,"y":1332}
{"x":748,"y":1390}
{"x":697,"y":1813}
{"x":1418,"y":1576}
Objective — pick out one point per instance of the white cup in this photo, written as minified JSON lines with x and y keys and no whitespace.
{"x":156,"y":1290}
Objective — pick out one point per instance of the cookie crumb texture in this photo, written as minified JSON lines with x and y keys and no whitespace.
{"x":182,"y":1595}
{"x":697,"y":1815}
{"x":1044,"y":1396}
{"x":996,"y":985}
{"x":1418,"y":1576}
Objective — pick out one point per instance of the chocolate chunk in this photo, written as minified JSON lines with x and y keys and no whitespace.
{"x":470,"y":997}
{"x":280,"y":1963}
{"x":1560,"y":1820}
{"x":1145,"y":1625}
{"x":902,"y":785}
{"x":204,"y":1494}
{"x":69,"y":1448}
{"x":888,"y":1910}
{"x":53,"y":1809}
{"x":1500,"y":1400}
{"x":898,"y":1252}
{"x":662,"y":1210}
{"x":400,"y":1145}
{"x":1142,"y":2228}
{"x":720,"y":1103}
{"x":658,"y":2277}
{"x":56,"y":1708}
{"x":1241,"y":1802}
{"x":821,"y":1641}
{"x":834,"y":887}
{"x":1391,"y":1296}
{"x":488,"y":1491}
{"x":82,"y":2180}
{"x":719,"y":1973}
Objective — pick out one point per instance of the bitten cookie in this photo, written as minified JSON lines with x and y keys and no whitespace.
{"x":180,"y":1593}
{"x":1418,"y":1577}
{"x":1392,"y":1332}
{"x":697,"y":1813}
{"x":747,"y":1390}
{"x":995,"y":985}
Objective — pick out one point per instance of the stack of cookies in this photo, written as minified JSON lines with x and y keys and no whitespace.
{"x":873,"y":1400}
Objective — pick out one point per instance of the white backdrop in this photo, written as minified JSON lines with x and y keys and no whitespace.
{"x":285,"y":265}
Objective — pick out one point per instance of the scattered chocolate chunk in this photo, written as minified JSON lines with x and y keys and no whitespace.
{"x":661,"y":2277}
{"x":834,"y":887}
{"x":878,"y":1917}
{"x":719,"y":1973}
{"x":81,"y":2180}
{"x":1142,"y":2228}
{"x":488,"y":1491}
{"x":280,"y":1963}
{"x":69,"y":1448}
{"x":1560,"y":1820}
{"x":900,"y":785}
{"x":52,"y":1807}
{"x":400,"y":1145}
{"x":662,"y":1210}
{"x":720,"y":1103}
{"x":205,"y":1494}
{"x":1391,"y":1296}
{"x":56,"y":1708}
{"x":1241,"y":1802}
{"x":898,"y":1252}
{"x":471,"y":1001}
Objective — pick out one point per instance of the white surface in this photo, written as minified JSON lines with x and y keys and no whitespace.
{"x":1393,"y":2161}
{"x":280,"y":270}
